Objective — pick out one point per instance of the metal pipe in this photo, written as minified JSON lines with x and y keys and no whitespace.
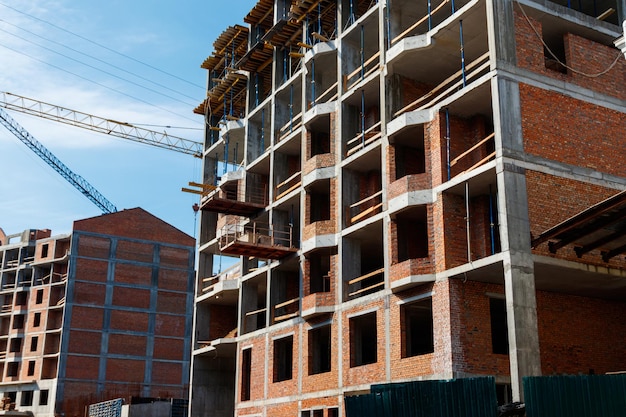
{"x":313,"y":81}
{"x":462,"y":52}
{"x":388,"y":17}
{"x":362,"y":51}
{"x":226,"y":145}
{"x":291,"y":108}
{"x":363,"y":117}
{"x":430,"y":25}
{"x":491,"y":222}
{"x":448,"y":142}
{"x":262,"y":130}
{"x":467,"y":222}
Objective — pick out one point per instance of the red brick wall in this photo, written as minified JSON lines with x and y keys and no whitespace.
{"x":326,"y":380}
{"x":409,"y":367}
{"x":134,"y":223}
{"x":289,"y":386}
{"x":553,"y":199}
{"x":572,"y":131}
{"x":578,"y":334}
{"x":374,"y":372}
{"x":581,"y":54}
{"x":257,"y":375}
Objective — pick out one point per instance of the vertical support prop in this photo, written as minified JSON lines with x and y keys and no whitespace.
{"x":491,"y":223}
{"x":388,"y":18}
{"x":226,"y":146}
{"x":363,"y":117}
{"x":467,"y":222}
{"x":262,"y":130}
{"x":313,"y":82}
{"x":448,"y":142}
{"x":430,"y":23}
{"x":462,"y":52}
{"x":362,"y":52}
{"x":291,"y":108}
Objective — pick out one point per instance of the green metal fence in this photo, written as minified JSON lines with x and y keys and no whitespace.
{"x":468,"y":397}
{"x":575,"y":396}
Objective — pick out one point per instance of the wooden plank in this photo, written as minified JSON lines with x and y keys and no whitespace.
{"x":288,"y":179}
{"x":304,"y":45}
{"x":467,"y":152}
{"x":286,"y":303}
{"x":365,"y":64}
{"x":365,"y":213}
{"x":319,"y":37}
{"x":286,"y":316}
{"x":367,"y":199}
{"x":455,"y":86}
{"x":251,"y":313}
{"x":208,"y":288}
{"x":365,"y":144}
{"x":203,"y":186}
{"x":419,"y":22}
{"x":366,"y":289}
{"x":328,"y":90}
{"x":366,"y":276}
{"x":189,"y":190}
{"x":296,"y":54}
{"x":442,"y":84}
{"x":287,"y":191}
{"x":482,"y":161}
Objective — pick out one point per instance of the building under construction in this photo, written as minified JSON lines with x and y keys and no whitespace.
{"x":100,"y":313}
{"x":409,"y":190}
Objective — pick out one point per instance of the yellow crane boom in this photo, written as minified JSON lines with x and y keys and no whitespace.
{"x":99,"y":124}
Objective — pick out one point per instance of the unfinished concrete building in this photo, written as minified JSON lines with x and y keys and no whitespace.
{"x":409,"y":190}
{"x":103,"y":312}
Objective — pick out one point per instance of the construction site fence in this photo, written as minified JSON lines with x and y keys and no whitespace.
{"x":545,"y":396}
{"x":469,"y":397}
{"x":575,"y":396}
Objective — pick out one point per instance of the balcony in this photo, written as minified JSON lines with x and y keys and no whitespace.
{"x":260,"y":240}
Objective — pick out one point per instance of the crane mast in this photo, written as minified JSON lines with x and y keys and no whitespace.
{"x":99,"y":124}
{"x":76,"y":180}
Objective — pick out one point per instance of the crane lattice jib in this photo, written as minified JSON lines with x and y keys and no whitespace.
{"x":99,"y":124}
{"x":76,"y":180}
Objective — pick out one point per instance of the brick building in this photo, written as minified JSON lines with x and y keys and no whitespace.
{"x":409,"y":190}
{"x":103,"y":312}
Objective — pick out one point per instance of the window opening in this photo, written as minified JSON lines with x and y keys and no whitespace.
{"x":43,"y":397}
{"x":499,"y":329}
{"x":246,"y":371}
{"x":319,"y":350}
{"x":21,"y":298}
{"x":34,"y":341}
{"x":31,"y":368}
{"x":39,"y":299}
{"x":363,"y":340}
{"x":18,"y":321}
{"x":37,"y":320}
{"x":16,"y":345}
{"x":283,"y":359}
{"x":12,"y":368}
{"x":417,"y":328}
{"x":27,"y":399}
{"x":44,"y":251}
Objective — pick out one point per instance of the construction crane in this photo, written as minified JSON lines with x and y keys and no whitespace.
{"x":76,"y":180}
{"x":99,"y":124}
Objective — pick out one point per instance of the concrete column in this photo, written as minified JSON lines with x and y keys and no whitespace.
{"x":519,"y":278}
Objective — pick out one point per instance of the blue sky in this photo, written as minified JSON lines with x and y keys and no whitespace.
{"x":41,"y":61}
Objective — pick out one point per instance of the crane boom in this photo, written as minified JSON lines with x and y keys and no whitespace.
{"x":76,"y":180}
{"x":99,"y":124}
